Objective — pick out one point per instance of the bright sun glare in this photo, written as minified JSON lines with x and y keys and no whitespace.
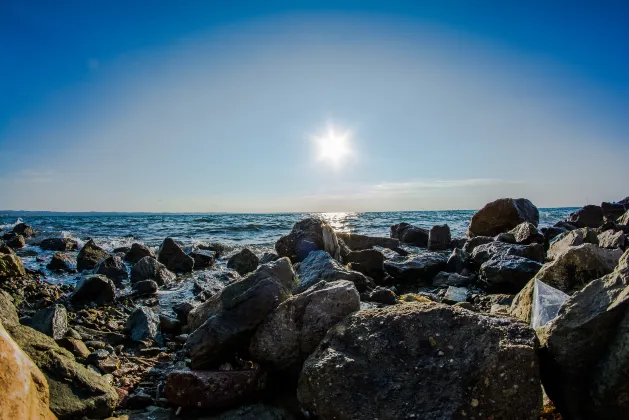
{"x":333,"y":146}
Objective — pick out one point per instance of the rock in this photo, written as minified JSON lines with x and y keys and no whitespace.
{"x":506,"y":237}
{"x":421,"y":268}
{"x":319,"y":265}
{"x":476,"y":241}
{"x":397,"y":362}
{"x":95,"y":289}
{"x":456,"y":294}
{"x":501,"y":216}
{"x":243,"y":262}
{"x":59,"y":244}
{"x":24,"y":230}
{"x":572,"y":238}
{"x":213,"y":389}
{"x":183,"y":309}
{"x":174,"y":258}
{"x":15,"y":240}
{"x":444,"y":279}
{"x":611,"y":239}
{"x":382,"y":295}
{"x":268,"y":257}
{"x":370,"y":262}
{"x":145,"y":287}
{"x":551,"y":233}
{"x":307,"y":235}
{"x":52,"y":321}
{"x":590,"y":216}
{"x":293,"y":330}
{"x":624,"y":219}
{"x":357,"y":242}
{"x":74,"y":346}
{"x":137,"y":252}
{"x":253,"y":412}
{"x":484,"y":253}
{"x":143,"y":324}
{"x":11,"y":266}
{"x":439,"y":238}
{"x":508,"y":273}
{"x":229,"y":319}
{"x":139,"y":400}
{"x":612,"y":211}
{"x":148,"y":268}
{"x":457,"y":261}
{"x":113,"y":268}
{"x":89,"y":256}
{"x":203,"y":259}
{"x":61,"y":262}
{"x":410,"y":234}
{"x":25,"y":393}
{"x":526,"y":233}
{"x":169,"y":325}
{"x":8,"y":313}
{"x":75,"y":391}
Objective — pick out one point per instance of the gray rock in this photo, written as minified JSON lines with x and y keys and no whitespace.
{"x":52,"y":321}
{"x":308,"y":235}
{"x":319,"y":265}
{"x":148,"y":268}
{"x":203,"y":259}
{"x":183,"y":309}
{"x":455,"y":295}
{"x":526,"y":233}
{"x":612,"y":211}
{"x":59,"y":244}
{"x":381,"y":295}
{"x":143,"y":324}
{"x":357,"y":242}
{"x":444,"y":279}
{"x":137,"y":252}
{"x":508,"y":273}
{"x":144,"y":287}
{"x":370,"y":262}
{"x":506,"y":237}
{"x":113,"y":268}
{"x":457,"y":261}
{"x":174,"y":258}
{"x":484,"y":253}
{"x":268,"y":257}
{"x":421,"y":268}
{"x":95,"y":289}
{"x":572,"y":238}
{"x":15,"y":240}
{"x":89,"y":256}
{"x":439,"y":238}
{"x":243,"y":262}
{"x":501,"y":216}
{"x":62,"y":262}
{"x":476,"y":241}
{"x":611,"y":239}
{"x":410,"y":234}
{"x":590,"y":216}
{"x":24,"y":230}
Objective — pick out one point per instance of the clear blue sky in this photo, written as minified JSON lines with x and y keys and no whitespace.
{"x":214,"y":106}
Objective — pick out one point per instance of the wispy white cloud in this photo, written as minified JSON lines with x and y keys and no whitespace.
{"x":420,"y":185}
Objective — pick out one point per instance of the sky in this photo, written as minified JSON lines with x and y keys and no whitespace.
{"x":203,"y":106}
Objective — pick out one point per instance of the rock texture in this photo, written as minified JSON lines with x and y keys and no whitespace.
{"x":590,"y":216}
{"x":357,"y":242}
{"x":95,"y":289}
{"x":319,"y":265}
{"x":89,"y":256}
{"x":59,"y":244}
{"x":508,"y":273}
{"x":52,"y":321}
{"x":526,"y":233}
{"x":113,"y":268}
{"x":144,"y":324}
{"x":148,"y":268}
{"x":11,"y":266}
{"x":174,"y":258}
{"x":421,"y":268}
{"x":243,"y":262}
{"x":61,"y":262}
{"x":484,"y":253}
{"x":410,"y":234}
{"x":308,"y":235}
{"x":137,"y":252}
{"x":501,"y":216}
{"x":572,"y":238}
{"x":439,"y":238}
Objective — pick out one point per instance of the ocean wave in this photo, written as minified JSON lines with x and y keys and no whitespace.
{"x":10,"y":226}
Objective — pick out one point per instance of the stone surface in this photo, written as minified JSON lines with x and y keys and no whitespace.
{"x":370,"y":262}
{"x":421,"y":268}
{"x":439,"y":238}
{"x":624,"y":219}
{"x":410,"y":234}
{"x":11,"y":266}
{"x":444,"y":279}
{"x":243,"y":262}
{"x":589,"y":216}
{"x":24,"y":230}
{"x":89,"y":256}
{"x":572,"y":238}
{"x":357,"y":242}
{"x":508,"y":273}
{"x":59,"y":244}
{"x":15,"y":241}
{"x":319,"y":265}
{"x":381,"y":295}
{"x":292,"y":331}
{"x":308,"y":235}
{"x":612,"y":211}
{"x":203,"y":259}
{"x":137,"y":252}
{"x":501,"y":216}
{"x":144,"y":287}
{"x":148,"y":268}
{"x":472,"y":243}
{"x":94,"y":289}
{"x":456,"y":294}
{"x":144,"y":324}
{"x":174,"y":258}
{"x":426,"y":361}
{"x":113,"y":268}
{"x":61,"y":262}
{"x":8,"y":313}
{"x":611,"y":239}
{"x":458,"y":260}
{"x":484,"y":253}
{"x":52,"y":321}
{"x":526,"y":233}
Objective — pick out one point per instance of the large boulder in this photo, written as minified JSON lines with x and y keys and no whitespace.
{"x":137,"y":252}
{"x":89,"y":256}
{"x":25,"y":393}
{"x":174,"y":258}
{"x":144,"y":324}
{"x":572,"y":238}
{"x":612,"y":211}
{"x":113,"y":268}
{"x":612,"y":239}
{"x":230,"y":318}
{"x":501,"y":216}
{"x":11,"y":266}
{"x":52,"y":321}
{"x":484,"y":253}
{"x":370,"y":262}
{"x":439,"y":238}
{"x":291,"y":332}
{"x":423,"y":360}
{"x":243,"y":262}
{"x":357,"y":242}
{"x":148,"y":268}
{"x":24,"y":230}
{"x":590,"y":216}
{"x":319,"y":265}
{"x":61,"y":262}
{"x":458,"y":261}
{"x":59,"y":244}
{"x":410,"y":234}
{"x":308,"y":235}
{"x":95,"y":289}
{"x":508,"y":273}
{"x":420,"y":268}
{"x":526,"y":233}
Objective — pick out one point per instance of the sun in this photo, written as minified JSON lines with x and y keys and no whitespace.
{"x":333,"y":146}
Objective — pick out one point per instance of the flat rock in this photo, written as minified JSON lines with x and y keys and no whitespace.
{"x":456,"y":294}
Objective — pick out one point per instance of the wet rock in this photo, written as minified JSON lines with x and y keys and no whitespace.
{"x":566,"y":225}
{"x":456,"y":294}
{"x":319,"y":265}
{"x":148,"y":268}
{"x":94,"y":289}
{"x":307,"y":235}
{"x":293,"y":330}
{"x":113,"y":268}
{"x":398,"y":361}
{"x":444,"y":279}
{"x":457,"y":261}
{"x":243,"y":262}
{"x":527,"y":233}
{"x":213,"y":389}
{"x":572,"y":238}
{"x":611,"y":239}
{"x":476,"y":241}
{"x":203,"y":259}
{"x":52,"y":321}
{"x":508,"y":273}
{"x":24,"y":230}
{"x":145,"y":287}
{"x":501,"y":216}
{"x":421,"y":268}
{"x":169,"y":325}
{"x":381,"y":295}
{"x":182,"y":310}
{"x":590,"y":216}
{"x":484,"y":253}
{"x":357,"y":242}
{"x":370,"y":262}
{"x":268,"y":257}
{"x":143,"y":324}
{"x":25,"y":393}
{"x":174,"y":258}
{"x":229,"y":319}
{"x":15,"y":240}
{"x":11,"y":266}
{"x":410,"y":234}
{"x":61,"y":262}
{"x":89,"y":256}
{"x":439,"y":238}
{"x":137,"y":252}
{"x":59,"y":244}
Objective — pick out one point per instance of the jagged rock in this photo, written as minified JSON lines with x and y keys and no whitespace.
{"x":308,"y":235}
{"x":145,"y":287}
{"x":59,"y":244}
{"x":439,"y":238}
{"x":506,"y":237}
{"x":169,"y":325}
{"x":268,"y":257}
{"x":183,"y":309}
{"x":410,"y":234}
{"x":381,"y":295}
{"x":572,"y":238}
{"x":143,"y":324}
{"x":444,"y":279}
{"x":590,"y":216}
{"x":15,"y":241}
{"x":11,"y":266}
{"x":612,"y":211}
{"x":457,"y":261}
{"x":213,"y":389}
{"x":61,"y":262}
{"x":137,"y":252}
{"x":148,"y":268}
{"x":89,"y":256}
{"x":370,"y":262}
{"x":484,"y":253}
{"x":397,"y":362}
{"x":229,"y":319}
{"x":357,"y":242}
{"x":319,"y":265}
{"x":611,"y":239}
{"x":8,"y":313}
{"x":243,"y":262}
{"x":52,"y":321}
{"x":624,"y":219}
{"x":24,"y":230}
{"x":550,"y":233}
{"x":203,"y":259}
{"x":25,"y":393}
{"x":95,"y":289}
{"x":527,"y":233}
{"x":476,"y":241}
{"x":174,"y":258}
{"x":293,"y":330}
{"x":113,"y":268}
{"x":456,"y":295}
{"x":421,"y":268}
{"x":501,"y":216}
{"x":508,"y":273}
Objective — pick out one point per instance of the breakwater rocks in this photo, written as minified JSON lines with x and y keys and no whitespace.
{"x":513,"y":321}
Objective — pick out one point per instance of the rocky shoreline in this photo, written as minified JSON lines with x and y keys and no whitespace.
{"x":510,"y":322}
